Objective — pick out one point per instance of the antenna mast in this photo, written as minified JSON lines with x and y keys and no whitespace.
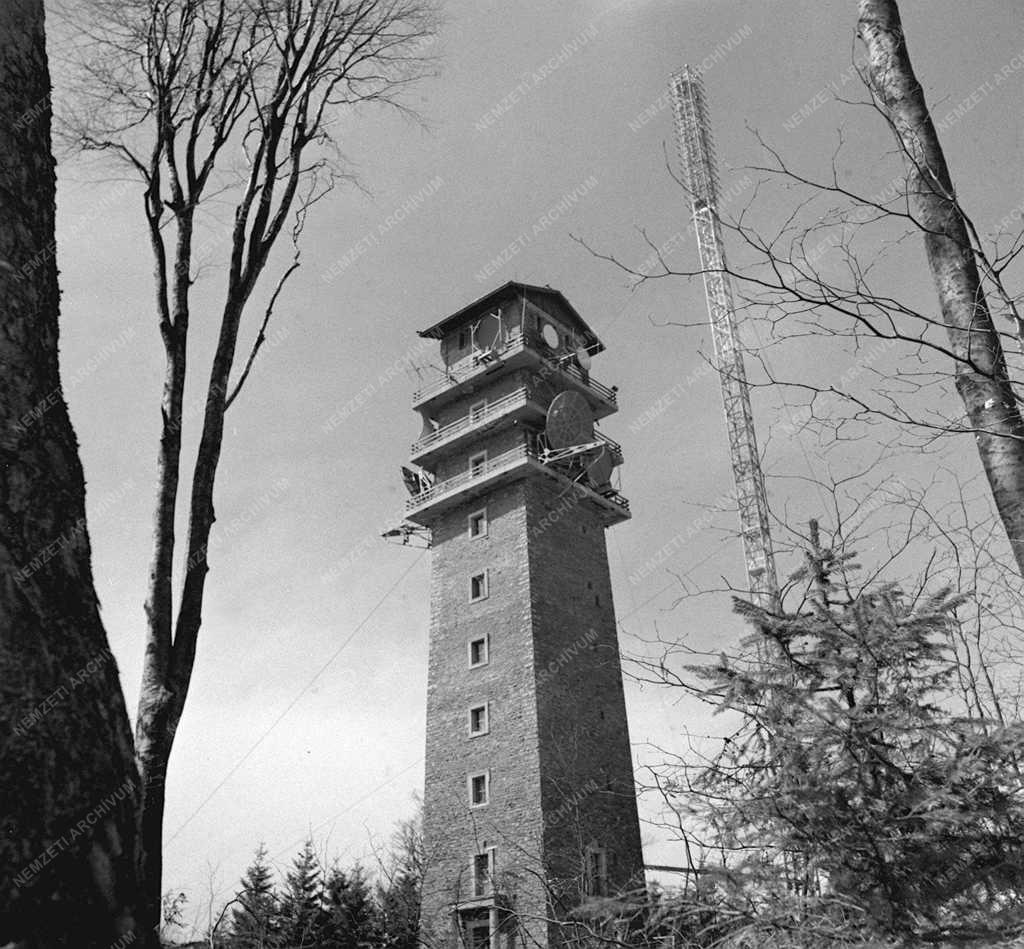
{"x":697,"y":153}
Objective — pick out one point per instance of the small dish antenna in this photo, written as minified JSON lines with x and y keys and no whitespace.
{"x":583,"y":358}
{"x":570,"y":421}
{"x":550,"y":335}
{"x":412,"y":481}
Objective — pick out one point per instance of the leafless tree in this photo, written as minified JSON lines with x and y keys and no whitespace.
{"x":70,"y":791}
{"x":829,"y":274}
{"x":956,"y":259}
{"x":207,"y":102}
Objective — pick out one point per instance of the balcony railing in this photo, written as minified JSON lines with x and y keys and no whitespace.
{"x":481,"y":361}
{"x":613,"y":446}
{"x":506,"y":461}
{"x":468,"y":367}
{"x":609,"y":395}
{"x":491,"y":411}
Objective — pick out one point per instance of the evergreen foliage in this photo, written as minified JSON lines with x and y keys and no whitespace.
{"x":302,"y":905}
{"x":342,"y":909}
{"x":353,"y":918}
{"x":255,"y":921}
{"x":399,"y":904}
{"x":857,"y":789}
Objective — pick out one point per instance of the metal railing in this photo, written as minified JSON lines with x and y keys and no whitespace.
{"x":476,"y":473}
{"x":613,"y":446}
{"x":491,"y":411}
{"x":480,"y":361}
{"x":609,"y":395}
{"x":468,"y":367}
{"x":507,"y":459}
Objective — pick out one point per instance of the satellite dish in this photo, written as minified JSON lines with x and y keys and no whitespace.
{"x":488,"y":331}
{"x":412,"y":481}
{"x":583,"y":358}
{"x":550,"y":335}
{"x":570,"y":421}
{"x":599,"y":471}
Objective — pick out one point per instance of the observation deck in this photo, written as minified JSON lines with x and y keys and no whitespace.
{"x":522,"y":350}
{"x":509,"y":466}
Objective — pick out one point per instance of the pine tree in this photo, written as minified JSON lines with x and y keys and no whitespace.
{"x":353,"y":919}
{"x":399,"y":892}
{"x":855,"y":781}
{"x":302,"y":905}
{"x":399,"y":903}
{"x":255,"y":924}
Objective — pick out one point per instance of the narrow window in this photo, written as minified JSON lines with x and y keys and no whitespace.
{"x":477,"y":409}
{"x":477,"y":463}
{"x":479,"y":720}
{"x":463,"y":338}
{"x":483,"y":871}
{"x":478,"y":652}
{"x":478,"y":587}
{"x":478,"y":523}
{"x":479,"y":789}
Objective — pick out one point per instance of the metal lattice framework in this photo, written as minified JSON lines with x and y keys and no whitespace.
{"x":697,"y":154}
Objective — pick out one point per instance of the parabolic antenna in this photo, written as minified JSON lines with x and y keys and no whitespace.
{"x":599,"y":471}
{"x":550,"y":335}
{"x":412,"y":481}
{"x":583,"y":358}
{"x":488,"y":330}
{"x":570,"y":421}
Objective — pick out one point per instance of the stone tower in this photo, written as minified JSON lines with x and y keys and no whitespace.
{"x":529,"y":804}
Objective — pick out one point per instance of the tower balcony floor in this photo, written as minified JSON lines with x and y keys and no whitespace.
{"x":501,"y":469}
{"x":517,"y":405}
{"x":520,"y":404}
{"x":488,"y":901}
{"x":521,"y":351}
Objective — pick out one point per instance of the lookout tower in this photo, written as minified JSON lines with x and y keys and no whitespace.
{"x":529,"y":806}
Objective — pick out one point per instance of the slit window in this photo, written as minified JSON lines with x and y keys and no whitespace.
{"x":479,"y":720}
{"x":479,"y":789}
{"x":478,"y":652}
{"x":478,"y":587}
{"x":477,"y":463}
{"x":478,"y":523}
{"x":483,"y":872}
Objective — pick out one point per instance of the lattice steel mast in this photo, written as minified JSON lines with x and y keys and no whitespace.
{"x":697,"y":154}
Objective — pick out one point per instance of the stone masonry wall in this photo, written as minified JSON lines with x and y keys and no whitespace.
{"x":588,"y":788}
{"x":511,"y":821}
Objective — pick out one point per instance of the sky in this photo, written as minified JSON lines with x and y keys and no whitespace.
{"x":306,"y":711}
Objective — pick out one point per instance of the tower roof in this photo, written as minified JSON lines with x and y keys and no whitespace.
{"x":514,"y":288}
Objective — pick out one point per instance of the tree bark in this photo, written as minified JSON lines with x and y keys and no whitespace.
{"x":69,"y":789}
{"x":981,"y":374}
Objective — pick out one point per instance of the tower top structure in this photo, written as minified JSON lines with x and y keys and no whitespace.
{"x":504,"y":358}
{"x":514,"y":290}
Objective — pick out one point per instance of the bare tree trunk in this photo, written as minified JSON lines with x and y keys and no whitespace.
{"x":161,"y":698}
{"x":981,"y":374}
{"x":182,"y":80}
{"x":69,"y":789}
